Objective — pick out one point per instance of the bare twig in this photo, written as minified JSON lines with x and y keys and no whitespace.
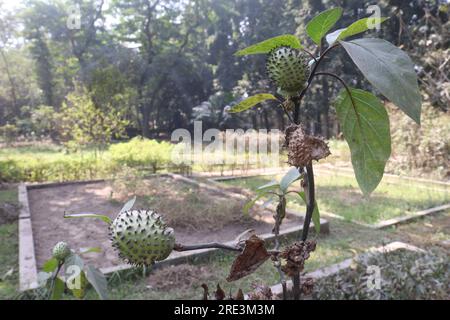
{"x":310,"y":199}
{"x":211,"y":245}
{"x":311,"y":77}
{"x":214,"y":245}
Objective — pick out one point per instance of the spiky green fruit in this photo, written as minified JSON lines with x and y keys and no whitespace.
{"x":141,"y":237}
{"x":288,"y":68}
{"x":61,"y":251}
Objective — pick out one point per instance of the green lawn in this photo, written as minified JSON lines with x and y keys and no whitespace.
{"x":9,"y":246}
{"x":8,"y":195}
{"x":340,"y":195}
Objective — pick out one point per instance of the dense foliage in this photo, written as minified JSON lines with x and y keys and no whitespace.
{"x":143,"y":154}
{"x":162,"y":64}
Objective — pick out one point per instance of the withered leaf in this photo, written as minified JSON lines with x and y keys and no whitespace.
{"x":205,"y":291}
{"x":254,"y":255}
{"x":220,"y":294}
{"x":239,"y":295}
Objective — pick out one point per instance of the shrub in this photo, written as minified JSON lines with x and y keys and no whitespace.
{"x":424,"y":148}
{"x":83,"y":123}
{"x":37,"y":166}
{"x":140,"y":152}
{"x":404,"y":275}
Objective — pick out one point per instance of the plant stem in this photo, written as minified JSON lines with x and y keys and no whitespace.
{"x":276,"y":232}
{"x":299,"y":99}
{"x":342,"y":82}
{"x":214,"y":245}
{"x":211,"y":245}
{"x":296,"y":278}
{"x":55,"y":275}
{"x":309,"y":186}
{"x":296,"y":287}
{"x":310,"y":199}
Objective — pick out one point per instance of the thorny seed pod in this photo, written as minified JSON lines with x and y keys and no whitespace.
{"x":288,"y":69}
{"x":303,"y":148}
{"x":141,"y":237}
{"x":61,"y":251}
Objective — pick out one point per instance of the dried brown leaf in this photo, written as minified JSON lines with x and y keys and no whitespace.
{"x":254,"y":255}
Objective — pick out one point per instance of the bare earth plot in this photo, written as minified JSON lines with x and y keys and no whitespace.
{"x":197,"y":215}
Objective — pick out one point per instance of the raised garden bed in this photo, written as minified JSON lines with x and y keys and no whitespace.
{"x":198,"y":214}
{"x":339,"y":194}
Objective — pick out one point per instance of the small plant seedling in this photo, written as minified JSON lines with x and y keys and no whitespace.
{"x":77,"y":276}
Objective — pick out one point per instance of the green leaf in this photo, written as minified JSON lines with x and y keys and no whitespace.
{"x":292,"y":175}
{"x":98,"y":281}
{"x":73,"y":260}
{"x":316,"y":214}
{"x":251,"y":102}
{"x":366,"y":129}
{"x":58,"y":289}
{"x":251,"y":203}
{"x":129,"y":205}
{"x":89,"y":215}
{"x":50,"y":265}
{"x":360,"y":26}
{"x":319,"y":26}
{"x":266,"y":46}
{"x":388,"y":69}
{"x":268,"y":186}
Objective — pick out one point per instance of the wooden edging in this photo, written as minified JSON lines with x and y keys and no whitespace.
{"x":277,"y":290}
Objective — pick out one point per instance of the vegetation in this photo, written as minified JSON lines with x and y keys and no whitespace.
{"x":156,"y":69}
{"x":48,"y":163}
{"x":406,"y":276}
{"x":95,"y":89}
{"x":339,"y":194}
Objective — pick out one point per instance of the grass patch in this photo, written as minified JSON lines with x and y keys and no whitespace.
{"x":9,"y":247}
{"x":9,"y":195}
{"x":341,"y":195}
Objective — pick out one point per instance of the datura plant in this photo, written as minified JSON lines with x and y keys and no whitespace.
{"x":362,"y":116}
{"x":142,"y":238}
